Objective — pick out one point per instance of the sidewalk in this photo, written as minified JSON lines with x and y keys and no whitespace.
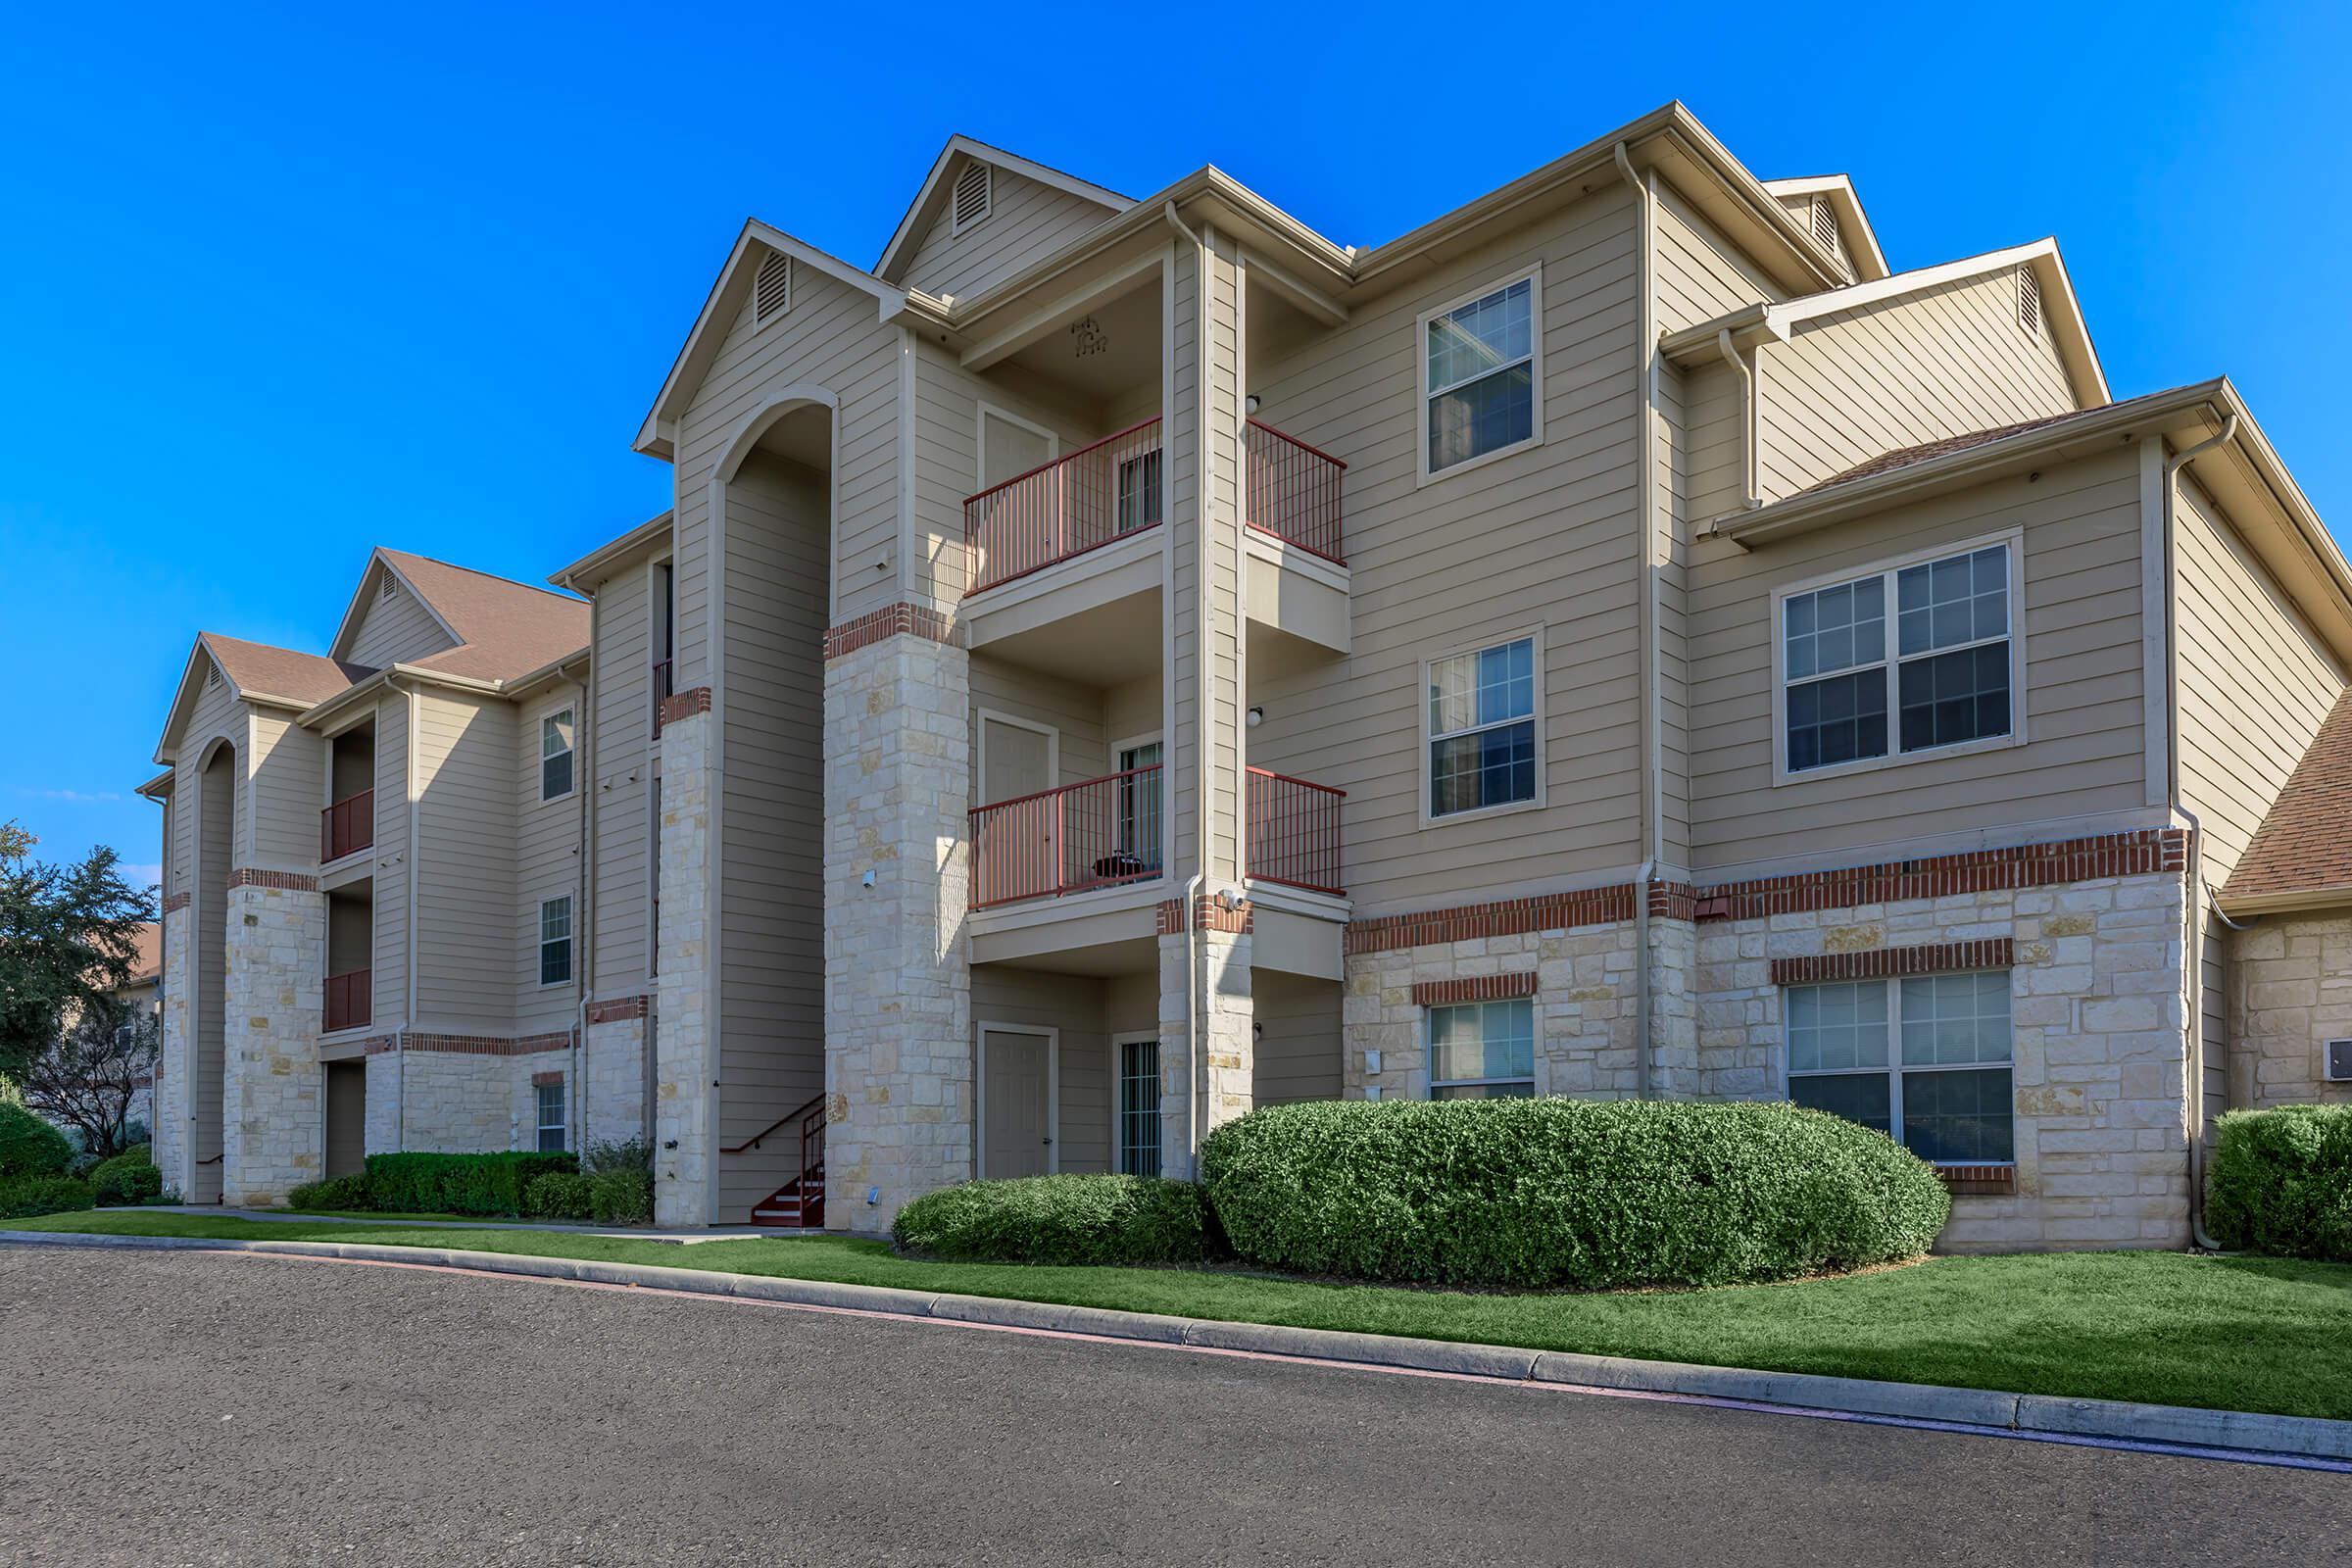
{"x":617,"y":1232}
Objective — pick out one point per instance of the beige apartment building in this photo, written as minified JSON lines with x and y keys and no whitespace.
{"x":1115,"y":662}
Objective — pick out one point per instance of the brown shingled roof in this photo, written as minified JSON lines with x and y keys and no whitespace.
{"x":2304,"y":844}
{"x":504,"y":628}
{"x":259,"y":669}
{"x":1908,"y":456}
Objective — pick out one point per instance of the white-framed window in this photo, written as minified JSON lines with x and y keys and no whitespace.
{"x":1482,"y":375}
{"x":1136,"y":1067}
{"x":555,"y":755}
{"x":1138,"y":491}
{"x":550,"y":1107}
{"x":1923,"y":1058}
{"x":1921,"y":656}
{"x":1486,"y":748}
{"x":1482,"y":1050}
{"x":554,"y":941}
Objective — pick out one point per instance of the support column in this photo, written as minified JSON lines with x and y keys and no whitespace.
{"x":611,"y":1100}
{"x":175,"y":1063}
{"x":274,"y":1090}
{"x":899,"y":1047}
{"x":1213,"y":966}
{"x":685,"y":1068}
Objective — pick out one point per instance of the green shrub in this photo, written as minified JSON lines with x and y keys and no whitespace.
{"x":2280,"y":1181}
{"x":560,"y":1195}
{"x":1530,"y":1193}
{"x":622,"y":1197}
{"x":1061,"y":1220}
{"x":348,"y":1191}
{"x":30,"y":1145}
{"x":129,"y":1177}
{"x":21,"y":1197}
{"x":458,"y":1184}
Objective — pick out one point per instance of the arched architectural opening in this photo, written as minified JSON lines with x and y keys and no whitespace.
{"x":216,"y":823}
{"x":773,"y":504}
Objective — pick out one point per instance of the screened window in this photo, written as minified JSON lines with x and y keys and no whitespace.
{"x":555,"y":942}
{"x":550,"y":1117}
{"x":1856,"y":687}
{"x":1139,"y":1107}
{"x":1478,"y":369}
{"x":1925,"y":1060}
{"x":1483,"y":1051}
{"x":1481,"y":728}
{"x":555,"y":755}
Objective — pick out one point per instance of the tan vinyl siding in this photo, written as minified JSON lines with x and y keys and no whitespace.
{"x":832,"y":338}
{"x":2255,"y":682}
{"x":1299,"y":1051}
{"x":1850,"y":386}
{"x":1074,"y":712}
{"x":1548,"y":538}
{"x":1219,"y":522}
{"x":1027,"y":221}
{"x":465,"y":864}
{"x":622,"y":774}
{"x":1183,"y":479}
{"x":396,"y":629}
{"x":289,"y":778}
{"x":391,"y":978}
{"x":771,"y":853}
{"x":217,"y":717}
{"x":546,"y":837}
{"x":1701,"y":274}
{"x":2082,"y":698}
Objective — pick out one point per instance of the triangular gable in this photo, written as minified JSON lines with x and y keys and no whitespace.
{"x":931,"y":200}
{"x":1860,"y":240}
{"x":192,"y":678}
{"x":367,"y":597}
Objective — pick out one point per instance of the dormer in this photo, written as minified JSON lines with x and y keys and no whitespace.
{"x":984,"y":214}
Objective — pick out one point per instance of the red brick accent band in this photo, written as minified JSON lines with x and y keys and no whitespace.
{"x":1980,"y":1180}
{"x":1477,"y":988}
{"x":894,"y":620}
{"x":2143,"y":852}
{"x":1885,"y":963}
{"x":246,"y":876}
{"x":615,"y":1010}
{"x":685,"y":705}
{"x":486,"y":1045}
{"x":1553,"y":912}
{"x":1207,"y":915}
{"x":175,"y":903}
{"x":379,"y":1045}
{"x":543,"y":1080}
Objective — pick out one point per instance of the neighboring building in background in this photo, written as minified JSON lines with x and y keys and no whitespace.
{"x":1118,"y":662}
{"x":143,"y":997}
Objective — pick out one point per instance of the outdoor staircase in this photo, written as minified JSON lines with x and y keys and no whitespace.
{"x":799,"y":1204}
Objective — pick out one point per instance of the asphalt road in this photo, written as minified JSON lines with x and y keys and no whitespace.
{"x":166,"y":1409}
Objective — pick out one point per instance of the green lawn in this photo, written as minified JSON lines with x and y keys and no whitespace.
{"x":2228,"y":1333}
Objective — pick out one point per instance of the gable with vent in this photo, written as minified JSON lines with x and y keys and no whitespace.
{"x":393,"y":625}
{"x":771,"y":289}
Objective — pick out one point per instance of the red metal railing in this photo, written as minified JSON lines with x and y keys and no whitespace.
{"x":350,"y":998}
{"x":1293,"y":832}
{"x":1092,"y":834}
{"x":808,"y":1191}
{"x":347,"y":827}
{"x":1066,"y":508}
{"x":662,"y":675}
{"x":1294,"y":491}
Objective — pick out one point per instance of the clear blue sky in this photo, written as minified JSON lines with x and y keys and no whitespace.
{"x":280,"y":284}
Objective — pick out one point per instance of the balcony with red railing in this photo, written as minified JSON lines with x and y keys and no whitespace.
{"x":347,"y":827}
{"x":1100,"y":493}
{"x":350,"y":998}
{"x":1293,"y":832}
{"x":1098,"y":833}
{"x":1294,"y":491}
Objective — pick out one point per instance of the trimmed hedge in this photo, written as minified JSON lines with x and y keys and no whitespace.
{"x":1530,"y":1193}
{"x":335,"y":1192}
{"x":1061,"y":1220}
{"x":458,"y":1184}
{"x":23,"y":1197}
{"x":560,"y":1195}
{"x":131,"y":1177}
{"x":2280,"y":1182}
{"x":30,"y":1145}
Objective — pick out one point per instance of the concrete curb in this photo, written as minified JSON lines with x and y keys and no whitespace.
{"x":2172,"y":1426}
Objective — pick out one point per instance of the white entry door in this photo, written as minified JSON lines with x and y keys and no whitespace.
{"x":1016,"y":1102}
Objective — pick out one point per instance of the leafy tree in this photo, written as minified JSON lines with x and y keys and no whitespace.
{"x":91,"y":1072}
{"x":69,"y":939}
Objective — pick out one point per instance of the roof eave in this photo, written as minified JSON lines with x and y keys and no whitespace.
{"x":2285,"y":901}
{"x":596,"y":564}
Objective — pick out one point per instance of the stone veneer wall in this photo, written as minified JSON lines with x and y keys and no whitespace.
{"x":2290,"y":992}
{"x":1226,"y":1015}
{"x":899,"y":1047}
{"x":458,"y":1102}
{"x":274,"y":1089}
{"x":610,"y":1107}
{"x":684,"y":1058}
{"x":174,"y":1067}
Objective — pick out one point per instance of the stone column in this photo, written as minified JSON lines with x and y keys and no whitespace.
{"x":898,"y":1048}
{"x":683,"y":1066}
{"x":1673,"y":959}
{"x":273,"y":1087}
{"x":1222,"y":1014}
{"x":611,"y":1101}
{"x":175,"y":1064}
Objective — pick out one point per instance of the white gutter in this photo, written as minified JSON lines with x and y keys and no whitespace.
{"x":2192,"y":955}
{"x":1751,"y":419}
{"x":408,"y":759}
{"x":1653,"y":751}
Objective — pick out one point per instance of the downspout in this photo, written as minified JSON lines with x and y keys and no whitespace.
{"x":2192,"y":958}
{"x":585,"y":921}
{"x":1644,"y":537}
{"x":1197,"y":1058}
{"x":1747,"y":418}
{"x":407,"y":1022}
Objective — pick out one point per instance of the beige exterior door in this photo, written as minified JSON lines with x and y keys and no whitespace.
{"x":1019,"y":845}
{"x":346,"y":1118}
{"x":1017,"y":1103}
